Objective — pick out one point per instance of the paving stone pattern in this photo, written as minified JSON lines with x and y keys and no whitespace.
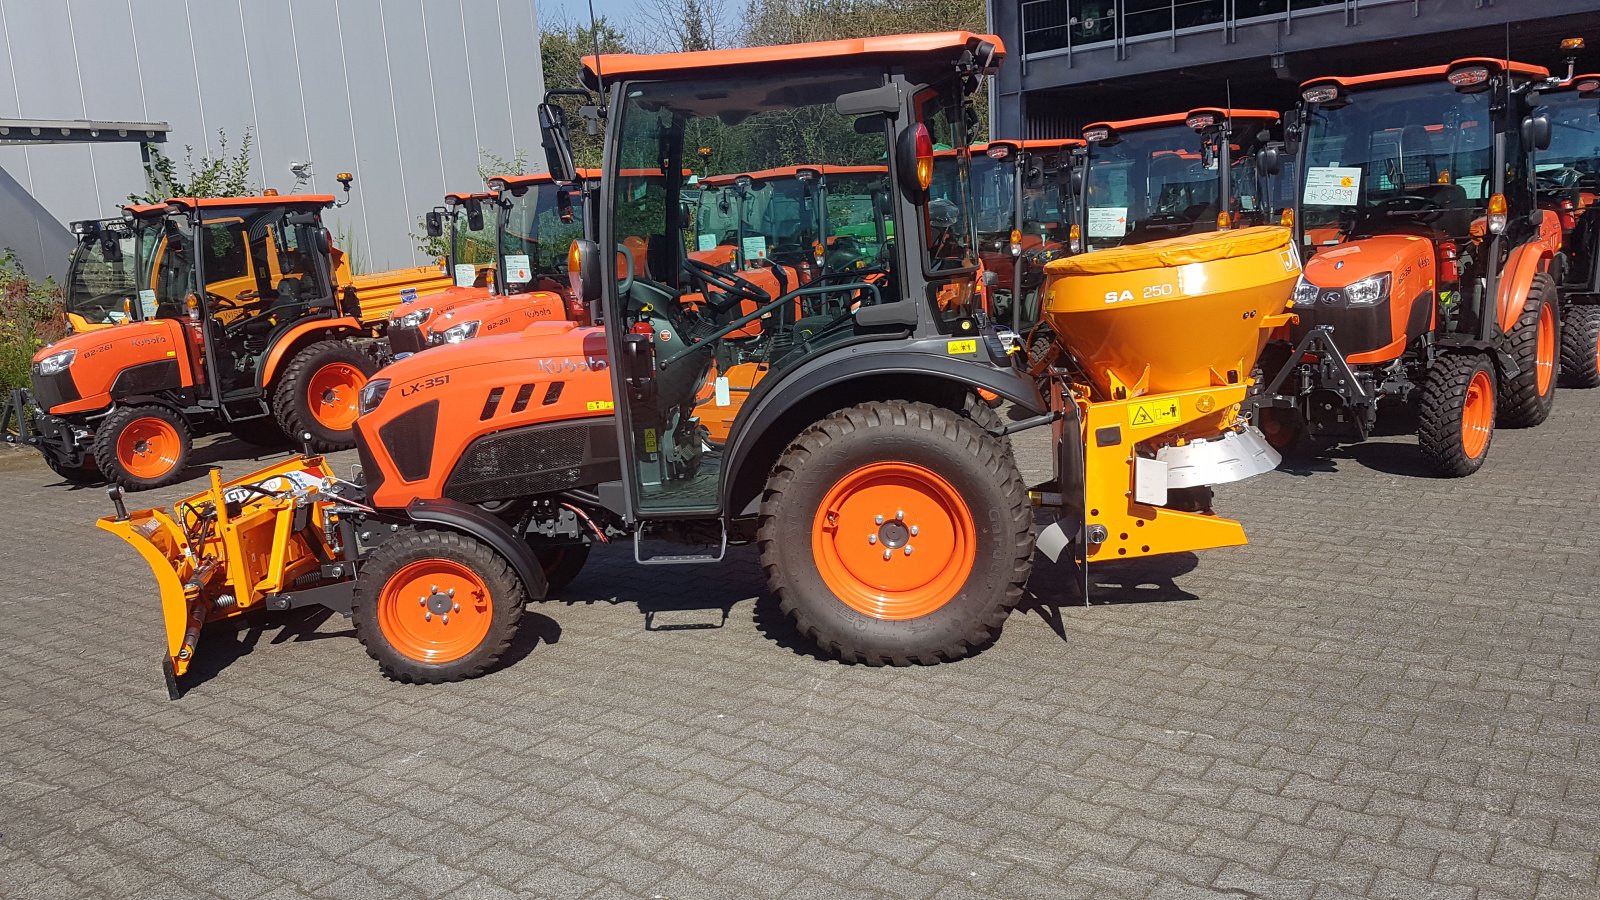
{"x":1393,"y":692}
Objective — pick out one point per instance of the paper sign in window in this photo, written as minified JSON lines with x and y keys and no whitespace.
{"x":466,"y":274}
{"x":755,"y":247}
{"x":1333,"y":186}
{"x":1108,"y":221}
{"x":518,"y":269}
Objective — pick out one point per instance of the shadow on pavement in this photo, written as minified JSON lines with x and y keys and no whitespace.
{"x":1153,"y":579}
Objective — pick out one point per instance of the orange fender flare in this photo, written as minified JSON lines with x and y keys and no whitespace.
{"x":1516,"y":279}
{"x":280,"y":349}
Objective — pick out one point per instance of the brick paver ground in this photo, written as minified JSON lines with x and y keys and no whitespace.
{"x":1393,"y":692}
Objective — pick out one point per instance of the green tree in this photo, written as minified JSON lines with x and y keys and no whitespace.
{"x":223,"y":175}
{"x":562,"y":47}
{"x":32,"y":313}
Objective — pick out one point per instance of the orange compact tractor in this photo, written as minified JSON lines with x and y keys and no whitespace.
{"x":891,"y":519}
{"x":1428,"y":280}
{"x":1569,"y":186}
{"x":1025,"y":219}
{"x":468,"y":264}
{"x":243,"y":327}
{"x":1160,"y":177}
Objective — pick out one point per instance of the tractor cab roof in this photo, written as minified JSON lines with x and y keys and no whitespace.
{"x":320,"y":201}
{"x":1035,"y":144}
{"x":1519,"y":70}
{"x":909,"y":50}
{"x":1585,"y":85}
{"x":785,"y":172}
{"x":1183,"y":118}
{"x":143,"y":210}
{"x":462,"y":197}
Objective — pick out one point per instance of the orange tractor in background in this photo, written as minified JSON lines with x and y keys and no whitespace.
{"x":1162,"y":176}
{"x":1428,"y":279}
{"x":245,"y":326}
{"x":467,"y":267}
{"x":1568,"y":185}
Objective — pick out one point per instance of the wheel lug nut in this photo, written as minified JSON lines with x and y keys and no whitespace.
{"x":433,"y":589}
{"x":455,"y":607}
{"x":914,"y":531}
{"x":422,"y":601}
{"x":899,"y":515}
{"x":908,"y":549}
{"x":887,"y":554}
{"x":872,"y":539}
{"x":445,"y":618}
{"x":427,"y":616}
{"x":450,"y":593}
{"x":877,"y":520}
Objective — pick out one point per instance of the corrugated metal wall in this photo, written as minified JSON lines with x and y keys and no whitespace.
{"x":402,"y":93}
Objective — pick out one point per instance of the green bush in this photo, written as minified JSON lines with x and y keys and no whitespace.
{"x":32,"y":314}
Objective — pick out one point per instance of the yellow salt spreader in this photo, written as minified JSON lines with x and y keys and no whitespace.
{"x":1155,"y":345}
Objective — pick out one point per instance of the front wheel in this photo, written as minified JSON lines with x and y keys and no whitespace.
{"x":1456,"y":417}
{"x":1580,"y":347}
{"x":435,"y":606}
{"x":320,"y":394}
{"x":1525,"y":400}
{"x":142,"y":447}
{"x":896,"y":533}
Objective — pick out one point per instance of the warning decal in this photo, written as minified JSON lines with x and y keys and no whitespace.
{"x":1153,"y":414}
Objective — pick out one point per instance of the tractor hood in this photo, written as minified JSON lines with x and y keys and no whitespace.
{"x":500,"y":315}
{"x":1404,"y":256}
{"x":132,"y":359}
{"x":422,"y":414}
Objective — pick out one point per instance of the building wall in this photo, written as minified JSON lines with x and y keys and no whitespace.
{"x":402,"y":93}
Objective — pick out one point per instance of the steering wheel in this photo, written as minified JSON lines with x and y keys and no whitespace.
{"x":734,"y":286}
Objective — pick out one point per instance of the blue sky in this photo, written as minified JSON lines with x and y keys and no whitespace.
{"x":618,"y":11}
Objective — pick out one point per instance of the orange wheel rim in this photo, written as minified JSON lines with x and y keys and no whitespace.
{"x":149,"y":447}
{"x":334,"y":392}
{"x":435,"y":610}
{"x":1544,"y":361}
{"x":893,"y":541}
{"x":1477,"y":415}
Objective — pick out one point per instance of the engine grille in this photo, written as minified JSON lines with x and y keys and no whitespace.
{"x":535,"y":459}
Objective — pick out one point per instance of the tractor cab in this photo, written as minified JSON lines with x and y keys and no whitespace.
{"x":463,"y":229}
{"x":1568,"y":176}
{"x":1426,"y":260}
{"x":1025,"y":218}
{"x":1162,"y":177}
{"x":109,"y":272}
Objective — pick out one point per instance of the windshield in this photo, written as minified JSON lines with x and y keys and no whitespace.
{"x":107,"y":272}
{"x":471,"y":249}
{"x":533,"y":237}
{"x":860,"y":224}
{"x":1159,"y":183}
{"x":1574,"y":136}
{"x":775,"y":218}
{"x":1411,"y":151}
{"x":1043,"y":211}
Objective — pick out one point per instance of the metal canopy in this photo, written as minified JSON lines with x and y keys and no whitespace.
{"x":15,"y":132}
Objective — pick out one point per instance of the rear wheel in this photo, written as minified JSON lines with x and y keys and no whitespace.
{"x":1526,"y":399}
{"x":85,"y":474}
{"x":1456,"y":417}
{"x":142,"y":447}
{"x":1580,"y":347}
{"x":262,"y":432}
{"x":320,"y":394}
{"x":896,"y":533}
{"x":434,"y":606}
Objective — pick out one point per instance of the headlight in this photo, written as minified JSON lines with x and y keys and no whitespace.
{"x":56,"y":363}
{"x":1367,"y":291}
{"x":413,"y":319}
{"x":1305,"y":293}
{"x":372,"y":394}
{"x":455,"y":334}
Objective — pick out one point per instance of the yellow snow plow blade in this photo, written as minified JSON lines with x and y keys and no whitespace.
{"x":228,"y":548}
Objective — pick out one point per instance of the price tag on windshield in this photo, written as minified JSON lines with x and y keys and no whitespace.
{"x":1108,"y":221}
{"x":466,"y":274}
{"x":147,"y":303}
{"x":1333,"y":186}
{"x":517,"y":268}
{"x":755,"y":247}
{"x":706,"y":242}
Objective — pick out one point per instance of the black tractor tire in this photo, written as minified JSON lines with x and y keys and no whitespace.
{"x":1521,"y":405}
{"x":987,"y":418}
{"x":296,"y":408}
{"x":142,"y":464}
{"x":81,"y":475}
{"x":401,"y":608}
{"x":561,"y":562}
{"x":1580,"y":347}
{"x":1455,"y":386}
{"x":909,"y":442}
{"x":262,"y":432}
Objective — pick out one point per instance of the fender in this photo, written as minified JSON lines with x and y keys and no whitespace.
{"x":1516,"y":278}
{"x":471,"y":520}
{"x":923,"y":364}
{"x":287,"y":340}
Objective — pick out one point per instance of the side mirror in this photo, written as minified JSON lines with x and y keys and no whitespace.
{"x":1075,"y":180}
{"x":1536,"y":132}
{"x":557,"y":143}
{"x":110,"y":248}
{"x":433,"y":222}
{"x":474,"y":214}
{"x":564,"y":207}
